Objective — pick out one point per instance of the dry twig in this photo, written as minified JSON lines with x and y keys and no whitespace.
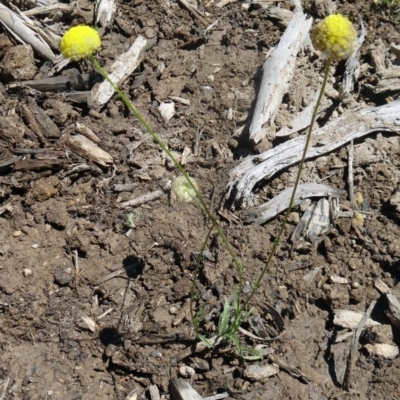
{"x":348,"y":378}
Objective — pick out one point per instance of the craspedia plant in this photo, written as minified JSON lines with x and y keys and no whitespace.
{"x":80,"y":42}
{"x":335,"y":37}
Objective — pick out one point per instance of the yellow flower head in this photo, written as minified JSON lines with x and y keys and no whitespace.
{"x":335,"y":37}
{"x":79,"y":42}
{"x":182,"y":189}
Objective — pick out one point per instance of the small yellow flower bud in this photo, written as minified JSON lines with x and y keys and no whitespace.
{"x":335,"y":37}
{"x":182,"y":189}
{"x":357,"y":221}
{"x":79,"y":42}
{"x":358,"y":198}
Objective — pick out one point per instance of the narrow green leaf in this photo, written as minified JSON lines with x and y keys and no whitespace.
{"x":198,"y":316}
{"x":252,"y":354}
{"x":204,"y":340}
{"x":235,"y":340}
{"x":224,"y":319}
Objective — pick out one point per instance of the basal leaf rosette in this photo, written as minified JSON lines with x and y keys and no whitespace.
{"x":183,"y":190}
{"x":335,"y":37}
{"x":80,"y":42}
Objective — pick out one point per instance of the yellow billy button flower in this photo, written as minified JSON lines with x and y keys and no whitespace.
{"x":335,"y":37}
{"x":79,"y":42}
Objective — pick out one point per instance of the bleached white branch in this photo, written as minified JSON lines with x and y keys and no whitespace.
{"x":119,"y":71}
{"x":351,"y":125}
{"x":18,"y":28}
{"x":278,"y":71}
{"x":265,"y":212}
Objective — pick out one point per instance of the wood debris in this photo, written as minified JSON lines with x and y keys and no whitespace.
{"x":85,"y":131}
{"x":260,"y":372}
{"x":350,"y":319}
{"x":19,"y":29}
{"x":89,"y":150}
{"x":339,"y":279}
{"x":105,"y":11}
{"x":154,"y":392}
{"x":349,"y":126}
{"x":49,"y":8}
{"x":179,"y":389}
{"x":166,"y":110}
{"x":142,"y":199}
{"x":393,"y":311}
{"x":352,"y":66}
{"x":352,"y":357}
{"x":119,"y":71}
{"x":72,"y":81}
{"x":291,"y":369}
{"x":382,"y":350}
{"x":185,"y":4}
{"x":278,"y":70}
{"x":316,"y":222}
{"x":39,"y":122}
{"x":267,"y":211}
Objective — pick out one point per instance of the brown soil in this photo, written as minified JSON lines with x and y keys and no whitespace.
{"x":62,"y":233}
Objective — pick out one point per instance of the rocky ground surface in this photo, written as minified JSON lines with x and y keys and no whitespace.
{"x":88,"y":311}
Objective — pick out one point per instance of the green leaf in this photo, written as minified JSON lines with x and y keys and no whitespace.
{"x":247,"y":315}
{"x":204,"y":340}
{"x":198,"y":316}
{"x":253,"y":354}
{"x":236,"y":304}
{"x":224,"y":319}
{"x":235,"y":340}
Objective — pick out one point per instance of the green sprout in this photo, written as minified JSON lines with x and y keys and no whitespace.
{"x":391,"y":7}
{"x":130,"y":221}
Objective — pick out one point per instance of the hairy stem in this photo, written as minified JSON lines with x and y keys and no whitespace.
{"x":296,"y":184}
{"x":157,"y":139}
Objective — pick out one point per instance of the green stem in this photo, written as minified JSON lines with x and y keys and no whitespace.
{"x":194,"y":281}
{"x":157,"y":139}
{"x":296,"y":184}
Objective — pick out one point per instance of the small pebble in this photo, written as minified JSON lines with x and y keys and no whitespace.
{"x":326,"y":287}
{"x":246,"y":288}
{"x":186,"y":371}
{"x":62,"y":278}
{"x":355,"y":285}
{"x":156,"y":354}
{"x":27,"y":272}
{"x":17,"y":233}
{"x":150,"y":33}
{"x":173,"y":310}
{"x":206,"y":295}
{"x":25,"y":229}
{"x":294,"y":217}
{"x":35,"y":246}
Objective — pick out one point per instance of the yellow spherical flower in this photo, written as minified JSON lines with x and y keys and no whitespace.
{"x":335,"y":37}
{"x":79,"y":42}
